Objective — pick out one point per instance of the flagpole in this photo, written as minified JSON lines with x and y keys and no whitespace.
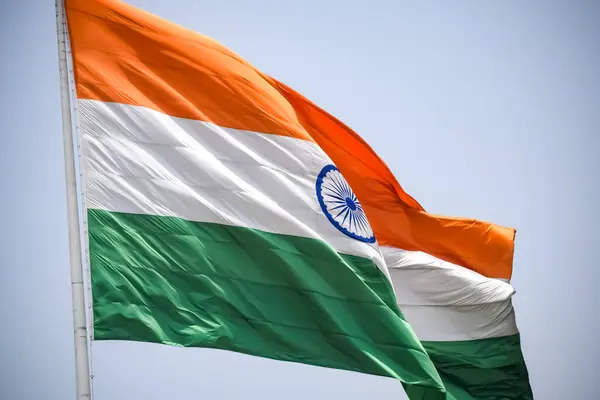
{"x":80,"y":333}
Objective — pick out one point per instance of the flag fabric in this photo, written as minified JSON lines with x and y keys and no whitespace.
{"x":451,"y":275}
{"x":227,"y":211}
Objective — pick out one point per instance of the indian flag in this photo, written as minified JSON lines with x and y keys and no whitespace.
{"x":225,"y":210}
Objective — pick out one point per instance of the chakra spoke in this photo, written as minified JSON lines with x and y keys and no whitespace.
{"x":338,"y":183}
{"x":335,"y":201}
{"x":334,"y":188}
{"x":345,"y":216}
{"x":337,"y":197}
{"x":338,"y":214}
{"x":352,"y":219}
{"x":363,"y":219}
{"x":340,"y":206}
{"x":344,"y":185}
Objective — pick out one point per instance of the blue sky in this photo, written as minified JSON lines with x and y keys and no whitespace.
{"x":486,"y":109}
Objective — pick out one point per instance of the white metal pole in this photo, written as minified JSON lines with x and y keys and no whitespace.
{"x":82,"y":367}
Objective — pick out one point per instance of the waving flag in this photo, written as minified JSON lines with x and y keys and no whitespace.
{"x":451,"y":275}
{"x":225,"y":210}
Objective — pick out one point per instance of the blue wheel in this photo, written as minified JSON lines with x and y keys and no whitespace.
{"x":340,"y":205}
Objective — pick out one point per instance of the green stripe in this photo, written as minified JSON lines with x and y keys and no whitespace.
{"x":486,"y":369}
{"x":167,"y":280}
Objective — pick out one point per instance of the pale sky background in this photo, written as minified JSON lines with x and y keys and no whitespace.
{"x":485,"y":109}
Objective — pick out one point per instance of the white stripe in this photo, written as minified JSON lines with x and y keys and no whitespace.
{"x":446,"y":302}
{"x":141,"y":161}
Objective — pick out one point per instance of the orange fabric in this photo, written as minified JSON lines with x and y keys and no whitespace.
{"x":396,"y":218}
{"x":122,"y":54}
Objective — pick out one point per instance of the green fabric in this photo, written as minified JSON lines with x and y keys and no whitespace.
{"x":486,"y":369}
{"x":167,"y":280}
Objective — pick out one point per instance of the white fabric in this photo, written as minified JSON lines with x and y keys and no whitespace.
{"x":447,"y":302}
{"x":141,"y":161}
